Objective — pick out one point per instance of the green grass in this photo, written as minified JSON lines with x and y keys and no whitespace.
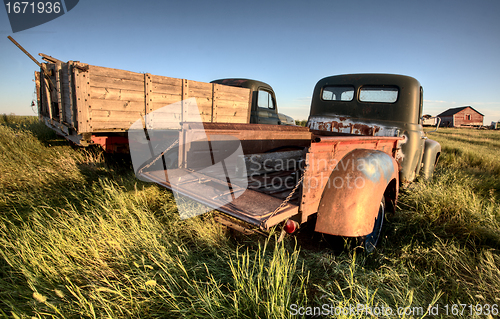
{"x":80,"y":237}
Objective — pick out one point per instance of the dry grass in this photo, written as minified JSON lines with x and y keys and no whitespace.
{"x":81,"y":237}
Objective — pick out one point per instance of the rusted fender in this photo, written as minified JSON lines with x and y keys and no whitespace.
{"x":351,"y":199}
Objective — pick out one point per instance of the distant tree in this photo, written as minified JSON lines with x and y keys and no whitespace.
{"x":301,"y":122}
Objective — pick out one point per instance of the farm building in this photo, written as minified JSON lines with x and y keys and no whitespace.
{"x":429,"y":120}
{"x":461,"y":116}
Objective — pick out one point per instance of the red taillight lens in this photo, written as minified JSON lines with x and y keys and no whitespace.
{"x":291,"y":226}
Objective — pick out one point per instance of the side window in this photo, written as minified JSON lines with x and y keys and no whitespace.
{"x":265,"y":100}
{"x":338,"y":93}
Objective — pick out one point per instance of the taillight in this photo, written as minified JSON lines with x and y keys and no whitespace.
{"x":291,"y":226}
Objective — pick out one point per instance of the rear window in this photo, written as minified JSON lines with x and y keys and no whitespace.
{"x":380,"y":94}
{"x":338,"y":93}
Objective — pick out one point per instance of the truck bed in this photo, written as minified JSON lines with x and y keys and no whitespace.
{"x":80,"y":101}
{"x":266,"y":143}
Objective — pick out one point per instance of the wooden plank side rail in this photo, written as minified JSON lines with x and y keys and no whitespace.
{"x":70,"y":84}
{"x":82,"y":97}
{"x":90,"y":99}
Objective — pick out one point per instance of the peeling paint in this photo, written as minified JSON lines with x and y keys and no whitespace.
{"x":342,"y":124}
{"x":399,"y":153}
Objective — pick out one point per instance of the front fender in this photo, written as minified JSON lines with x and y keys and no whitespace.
{"x":351,"y":199}
{"x":431,"y":152}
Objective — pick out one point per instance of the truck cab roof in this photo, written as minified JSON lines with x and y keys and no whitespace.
{"x":371,"y":96}
{"x":253,"y":85}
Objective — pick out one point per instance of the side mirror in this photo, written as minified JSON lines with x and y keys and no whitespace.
{"x":437,"y":125}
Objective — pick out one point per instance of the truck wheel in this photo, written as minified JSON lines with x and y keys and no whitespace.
{"x":369,"y":242}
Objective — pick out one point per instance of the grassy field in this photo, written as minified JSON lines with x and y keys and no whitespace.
{"x":80,"y":237}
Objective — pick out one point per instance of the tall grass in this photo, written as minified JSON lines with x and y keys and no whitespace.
{"x":80,"y":237}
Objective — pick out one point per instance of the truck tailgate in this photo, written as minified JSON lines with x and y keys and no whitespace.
{"x":244,"y":204}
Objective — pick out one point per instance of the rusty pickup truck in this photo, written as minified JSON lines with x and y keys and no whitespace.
{"x":343,"y":171}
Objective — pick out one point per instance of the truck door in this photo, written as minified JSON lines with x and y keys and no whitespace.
{"x":266,"y":108}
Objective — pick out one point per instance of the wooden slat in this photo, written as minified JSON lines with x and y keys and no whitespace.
{"x":200,"y":89}
{"x":194,"y":111}
{"x":53,"y":93}
{"x":116,"y":83}
{"x":200,"y":85}
{"x":65,"y":95}
{"x":165,"y":99}
{"x":229,"y":89}
{"x":59,"y":87}
{"x":167,"y":89}
{"x":115,"y":116}
{"x":98,"y":104}
{"x":156,"y":79}
{"x":82,"y":88}
{"x":238,"y":105}
{"x":206,"y":117}
{"x":112,"y":125}
{"x":201,"y":93}
{"x":115,"y":73}
{"x":38,"y":93}
{"x":231,"y":96}
{"x":232,"y":93}
{"x":48,"y":97}
{"x":72,"y":117}
{"x":175,"y":108}
{"x":231,"y":119}
{"x":231,"y":113}
{"x":115,"y":94}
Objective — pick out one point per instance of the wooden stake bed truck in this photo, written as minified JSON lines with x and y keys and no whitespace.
{"x":364,"y":136}
{"x":96,"y":105}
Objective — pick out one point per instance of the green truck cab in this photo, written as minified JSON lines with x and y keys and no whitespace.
{"x":264,"y":108}
{"x":377,"y":105}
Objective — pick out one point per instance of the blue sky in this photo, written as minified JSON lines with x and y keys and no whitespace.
{"x":451,"y":47}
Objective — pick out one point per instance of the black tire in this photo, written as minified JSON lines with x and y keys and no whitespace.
{"x":370,"y":241}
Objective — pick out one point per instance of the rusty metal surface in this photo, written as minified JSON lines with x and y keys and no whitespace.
{"x":344,"y":124}
{"x":350,"y":202}
{"x":112,"y":144}
{"x":356,"y":139}
{"x":243,"y":207}
{"x":324,"y":157}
